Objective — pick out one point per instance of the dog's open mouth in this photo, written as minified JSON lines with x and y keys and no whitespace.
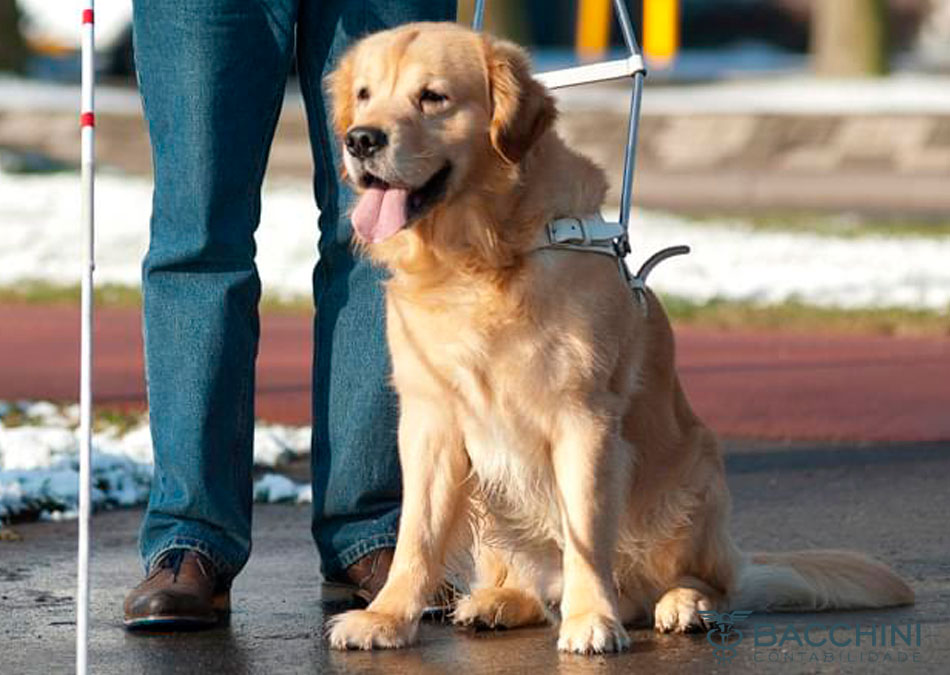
{"x":384,"y":209}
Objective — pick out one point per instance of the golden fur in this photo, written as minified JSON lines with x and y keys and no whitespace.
{"x":543,"y":426}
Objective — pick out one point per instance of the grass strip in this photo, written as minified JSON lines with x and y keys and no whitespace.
{"x":719,"y":314}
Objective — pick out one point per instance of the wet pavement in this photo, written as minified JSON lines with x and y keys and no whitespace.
{"x":888,"y":500}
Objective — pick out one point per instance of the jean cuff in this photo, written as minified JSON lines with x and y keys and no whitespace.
{"x":222,"y":566}
{"x":334,"y":567}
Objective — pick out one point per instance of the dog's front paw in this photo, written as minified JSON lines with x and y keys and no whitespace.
{"x":362,"y":629}
{"x":498,"y":608}
{"x":592,"y":633}
{"x":678,"y":611}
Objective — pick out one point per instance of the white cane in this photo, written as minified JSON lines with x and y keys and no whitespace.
{"x":87,"y":125}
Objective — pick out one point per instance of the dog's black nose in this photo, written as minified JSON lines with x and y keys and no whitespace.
{"x":363,"y":142}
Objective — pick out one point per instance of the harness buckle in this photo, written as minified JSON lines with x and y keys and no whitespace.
{"x":622,"y":246}
{"x":585,"y":232}
{"x":571,"y":231}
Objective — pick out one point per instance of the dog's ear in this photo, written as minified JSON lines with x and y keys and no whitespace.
{"x":522,"y":109}
{"x":339,"y":84}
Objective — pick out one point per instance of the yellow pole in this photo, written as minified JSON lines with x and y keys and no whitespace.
{"x":593,"y":29}
{"x":661,"y":23}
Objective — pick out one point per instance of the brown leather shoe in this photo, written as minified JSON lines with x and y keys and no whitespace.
{"x":181,"y":592}
{"x":368,"y":574}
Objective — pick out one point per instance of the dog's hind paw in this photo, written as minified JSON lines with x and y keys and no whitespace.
{"x":498,"y":608}
{"x":362,"y":629}
{"x":678,"y":611}
{"x":592,"y":633}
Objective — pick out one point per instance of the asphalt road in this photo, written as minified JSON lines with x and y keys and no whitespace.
{"x":888,"y":500}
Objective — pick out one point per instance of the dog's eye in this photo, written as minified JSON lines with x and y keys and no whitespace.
{"x":432,"y":97}
{"x":363,"y":94}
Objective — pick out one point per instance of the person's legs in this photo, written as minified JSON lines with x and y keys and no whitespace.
{"x":356,"y":479}
{"x":212,"y":76}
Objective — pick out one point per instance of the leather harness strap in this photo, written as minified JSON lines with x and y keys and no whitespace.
{"x":593,"y":234}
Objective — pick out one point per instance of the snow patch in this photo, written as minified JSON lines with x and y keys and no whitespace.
{"x":276,"y":488}
{"x":39,"y":466}
{"x":40,"y":239}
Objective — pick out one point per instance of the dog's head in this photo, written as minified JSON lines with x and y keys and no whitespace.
{"x":425,"y":111}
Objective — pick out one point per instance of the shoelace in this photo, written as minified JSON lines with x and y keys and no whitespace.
{"x":173,"y":561}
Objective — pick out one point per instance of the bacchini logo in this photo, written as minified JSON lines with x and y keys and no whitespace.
{"x":724,"y":636}
{"x":816,"y":642}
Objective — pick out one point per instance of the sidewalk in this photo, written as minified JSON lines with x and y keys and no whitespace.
{"x":745,"y":385}
{"x":888,"y":501}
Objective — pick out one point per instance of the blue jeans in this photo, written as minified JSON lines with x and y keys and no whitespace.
{"x":212,"y":75}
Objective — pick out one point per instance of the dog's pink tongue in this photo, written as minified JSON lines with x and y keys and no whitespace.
{"x":380,"y":213}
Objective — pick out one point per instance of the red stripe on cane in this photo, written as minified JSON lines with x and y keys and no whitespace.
{"x":87,"y":16}
{"x":87,"y":120}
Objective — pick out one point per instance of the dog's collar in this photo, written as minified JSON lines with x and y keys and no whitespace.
{"x":593,"y":234}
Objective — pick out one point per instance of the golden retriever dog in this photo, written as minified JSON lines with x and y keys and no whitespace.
{"x":544,"y":435}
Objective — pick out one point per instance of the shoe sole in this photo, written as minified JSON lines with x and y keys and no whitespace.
{"x":167,"y":622}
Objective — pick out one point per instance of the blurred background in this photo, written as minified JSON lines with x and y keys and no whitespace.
{"x":769,"y":128}
{"x":800,"y":147}
{"x":701,"y":38}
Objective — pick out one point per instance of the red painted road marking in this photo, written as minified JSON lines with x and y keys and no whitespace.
{"x":745,"y":385}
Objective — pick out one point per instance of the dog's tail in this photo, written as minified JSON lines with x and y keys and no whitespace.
{"x":815,"y":581}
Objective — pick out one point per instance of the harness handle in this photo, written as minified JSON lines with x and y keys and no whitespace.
{"x":638,"y":281}
{"x":657,"y":258}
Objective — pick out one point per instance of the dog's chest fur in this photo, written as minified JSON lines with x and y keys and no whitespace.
{"x":511,"y":461}
{"x":505,"y":406}
{"x":508,"y":382}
